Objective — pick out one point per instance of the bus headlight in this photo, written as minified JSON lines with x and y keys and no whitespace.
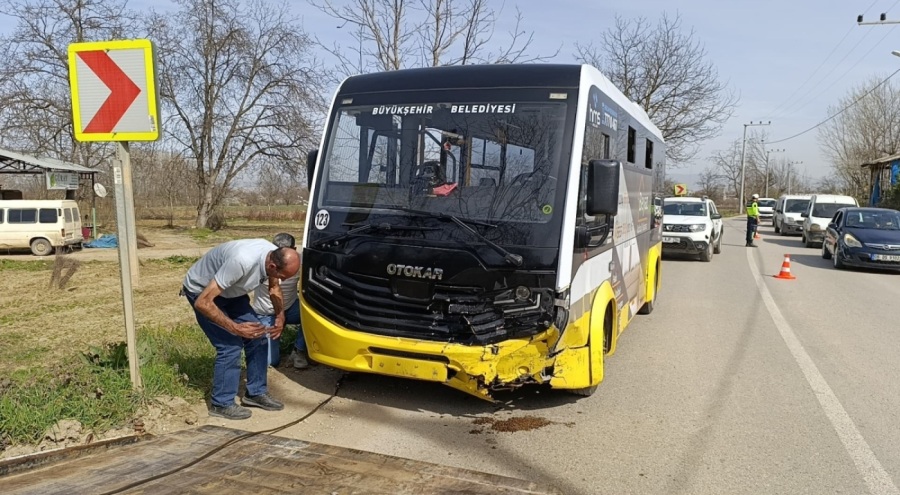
{"x":523,"y":293}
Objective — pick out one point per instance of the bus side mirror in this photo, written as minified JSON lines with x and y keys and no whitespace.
{"x":603,"y":187}
{"x":311,"y":166}
{"x":804,"y":215}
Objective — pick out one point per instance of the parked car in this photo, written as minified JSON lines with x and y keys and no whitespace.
{"x":788,"y":209}
{"x":820,"y":211}
{"x":864,"y":237}
{"x":766,"y":210}
{"x":693,"y":226}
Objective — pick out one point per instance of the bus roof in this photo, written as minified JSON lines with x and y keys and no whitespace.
{"x":466,"y":76}
{"x":557,"y":76}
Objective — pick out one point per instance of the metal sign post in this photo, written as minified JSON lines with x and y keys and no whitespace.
{"x":125,"y":248}
{"x":114,"y":99}
{"x":123,"y":153}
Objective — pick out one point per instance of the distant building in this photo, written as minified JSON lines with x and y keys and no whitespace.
{"x":885,"y":174}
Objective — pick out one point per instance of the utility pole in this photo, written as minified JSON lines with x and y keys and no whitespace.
{"x":791,"y":174}
{"x":767,"y":168}
{"x":743,"y":149}
{"x":882,"y":20}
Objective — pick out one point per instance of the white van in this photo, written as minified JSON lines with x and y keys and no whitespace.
{"x":820,"y":211}
{"x":788,"y":211}
{"x":766,"y":210}
{"x":41,"y":225}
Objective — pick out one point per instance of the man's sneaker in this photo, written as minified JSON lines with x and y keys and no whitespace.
{"x":264,"y":401}
{"x":299,"y":360}
{"x":233,"y":411}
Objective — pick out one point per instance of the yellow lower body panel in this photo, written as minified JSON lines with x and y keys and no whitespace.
{"x":473,"y":369}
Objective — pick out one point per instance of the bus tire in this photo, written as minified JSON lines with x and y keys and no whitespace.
{"x":41,"y":247}
{"x":607,"y":335}
{"x":584,"y":392}
{"x":648,"y":306}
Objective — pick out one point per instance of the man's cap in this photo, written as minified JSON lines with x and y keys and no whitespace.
{"x":755,"y":196}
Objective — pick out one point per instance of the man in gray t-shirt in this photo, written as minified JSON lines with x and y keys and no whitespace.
{"x":217,"y":287}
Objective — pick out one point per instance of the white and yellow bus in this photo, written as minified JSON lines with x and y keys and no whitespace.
{"x":484,"y":227}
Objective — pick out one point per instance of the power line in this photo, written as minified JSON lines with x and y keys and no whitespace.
{"x":833,"y":50}
{"x":867,"y":93}
{"x":793,"y":105}
{"x":838,"y":79}
{"x":791,"y":96}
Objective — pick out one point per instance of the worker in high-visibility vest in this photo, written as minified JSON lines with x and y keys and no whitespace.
{"x":752,"y":219}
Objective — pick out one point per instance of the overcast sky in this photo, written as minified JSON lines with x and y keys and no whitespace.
{"x":788,"y":60}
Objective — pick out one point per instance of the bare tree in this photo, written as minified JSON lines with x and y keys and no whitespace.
{"x":727,"y":165}
{"x":238,"y":81}
{"x":709,"y":183}
{"x":35,"y":99}
{"x":277,"y":187}
{"x":398,"y":34}
{"x":162,"y":178}
{"x":867,"y":130}
{"x":665,"y":69}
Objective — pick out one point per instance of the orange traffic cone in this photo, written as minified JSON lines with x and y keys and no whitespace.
{"x":786,"y":269}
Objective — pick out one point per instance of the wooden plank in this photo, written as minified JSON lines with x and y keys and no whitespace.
{"x":258,"y":464}
{"x":24,"y":463}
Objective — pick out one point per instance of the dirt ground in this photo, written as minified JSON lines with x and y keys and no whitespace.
{"x":42,"y":323}
{"x":165,"y":243}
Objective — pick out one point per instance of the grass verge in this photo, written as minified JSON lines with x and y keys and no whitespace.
{"x":95,"y":387}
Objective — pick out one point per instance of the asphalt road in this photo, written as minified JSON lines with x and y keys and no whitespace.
{"x":737,"y":383}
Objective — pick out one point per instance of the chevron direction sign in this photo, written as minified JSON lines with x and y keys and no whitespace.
{"x":114,"y":91}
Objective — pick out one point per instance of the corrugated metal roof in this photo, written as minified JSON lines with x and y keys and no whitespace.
{"x":17,"y":163}
{"x":882,"y":161}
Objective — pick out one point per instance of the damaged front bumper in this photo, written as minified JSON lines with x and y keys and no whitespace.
{"x":475,"y":369}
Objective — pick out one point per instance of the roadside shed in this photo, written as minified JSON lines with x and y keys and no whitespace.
{"x":885,"y":174}
{"x":59,"y":175}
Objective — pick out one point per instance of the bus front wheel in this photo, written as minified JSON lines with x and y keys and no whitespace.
{"x":604,"y":348}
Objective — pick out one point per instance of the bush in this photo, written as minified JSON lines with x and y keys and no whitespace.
{"x":890,"y":198}
{"x":216,"y":221}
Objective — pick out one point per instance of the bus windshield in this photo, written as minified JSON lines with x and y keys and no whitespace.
{"x":495,"y":162}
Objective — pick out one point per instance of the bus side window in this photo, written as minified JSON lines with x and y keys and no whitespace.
{"x":632,"y":143}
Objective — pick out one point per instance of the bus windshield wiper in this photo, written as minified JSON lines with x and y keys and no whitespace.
{"x":466,"y":224}
{"x":362,"y":228}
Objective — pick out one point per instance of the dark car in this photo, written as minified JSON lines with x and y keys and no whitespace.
{"x":864,"y":237}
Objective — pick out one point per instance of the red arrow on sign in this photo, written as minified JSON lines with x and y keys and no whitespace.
{"x":679,"y":189}
{"x":123,"y":91}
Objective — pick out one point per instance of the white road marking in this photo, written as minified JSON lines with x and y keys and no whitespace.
{"x":877,"y":479}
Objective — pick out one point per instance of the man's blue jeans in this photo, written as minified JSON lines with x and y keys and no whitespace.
{"x":291,"y":317}
{"x":227,"y":370}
